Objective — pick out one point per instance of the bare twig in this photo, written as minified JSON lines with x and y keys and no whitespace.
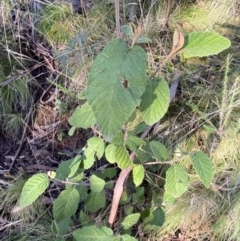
{"x":117,"y":19}
{"x":169,"y":6}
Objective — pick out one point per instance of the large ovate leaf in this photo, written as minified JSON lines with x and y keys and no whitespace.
{"x":138,"y":174}
{"x":91,"y":233}
{"x":96,"y":183}
{"x":33,"y":188}
{"x":200,"y":44}
{"x":122,"y":157}
{"x":155,"y":101}
{"x":66,"y":204}
{"x":203,"y":166}
{"x":95,"y":201}
{"x":116,"y":82}
{"x":95,"y":146}
{"x":82,"y":117}
{"x":176,"y":181}
{"x":130,"y":220}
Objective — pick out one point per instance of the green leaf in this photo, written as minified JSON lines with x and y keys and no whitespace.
{"x":95,"y":146}
{"x":157,"y":150}
{"x":118,"y":139}
{"x":116,"y":82}
{"x":62,"y":227}
{"x":68,"y":168}
{"x":127,"y":30}
{"x":95,"y":201}
{"x":158,"y":219}
{"x":110,"y":172}
{"x":127,"y":237}
{"x":66,"y":204}
{"x":71,"y":131}
{"x":133,"y":142}
{"x":82,"y":190}
{"x":130,"y":220}
{"x":84,"y":219}
{"x":200,"y":44}
{"x":203,"y":166}
{"x":91,"y":233}
{"x":82,"y":117}
{"x":176,"y":181}
{"x":110,"y":153}
{"x":143,"y":39}
{"x":138,"y":174}
{"x":122,"y":158}
{"x":155,"y":101}
{"x":140,"y":128}
{"x":97,"y":184}
{"x":33,"y":188}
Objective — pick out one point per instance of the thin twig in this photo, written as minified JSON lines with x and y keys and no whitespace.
{"x":117,"y":19}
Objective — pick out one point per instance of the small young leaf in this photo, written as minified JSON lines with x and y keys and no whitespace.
{"x":122,"y":158}
{"x":155,"y":101}
{"x":91,"y":233}
{"x":97,"y":184}
{"x":200,"y":44}
{"x":71,"y":131}
{"x":33,"y":188}
{"x":140,"y":128}
{"x":84,"y":219}
{"x":118,"y":139}
{"x":62,"y":227}
{"x":82,"y":190}
{"x":158,"y":219}
{"x":127,"y":30}
{"x":203,"y":166}
{"x":130,"y":220}
{"x":128,"y":209}
{"x":68,"y":168}
{"x":95,"y":201}
{"x":110,"y":172}
{"x":143,"y":39}
{"x":95,"y":146}
{"x":176,"y":181}
{"x":127,"y":237}
{"x":66,"y":204}
{"x":138,"y":174}
{"x":82,"y":117}
{"x":133,"y":142}
{"x":110,"y":152}
{"x":157,"y":150}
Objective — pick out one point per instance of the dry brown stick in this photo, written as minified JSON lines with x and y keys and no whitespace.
{"x":169,"y":6}
{"x":117,"y":19}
